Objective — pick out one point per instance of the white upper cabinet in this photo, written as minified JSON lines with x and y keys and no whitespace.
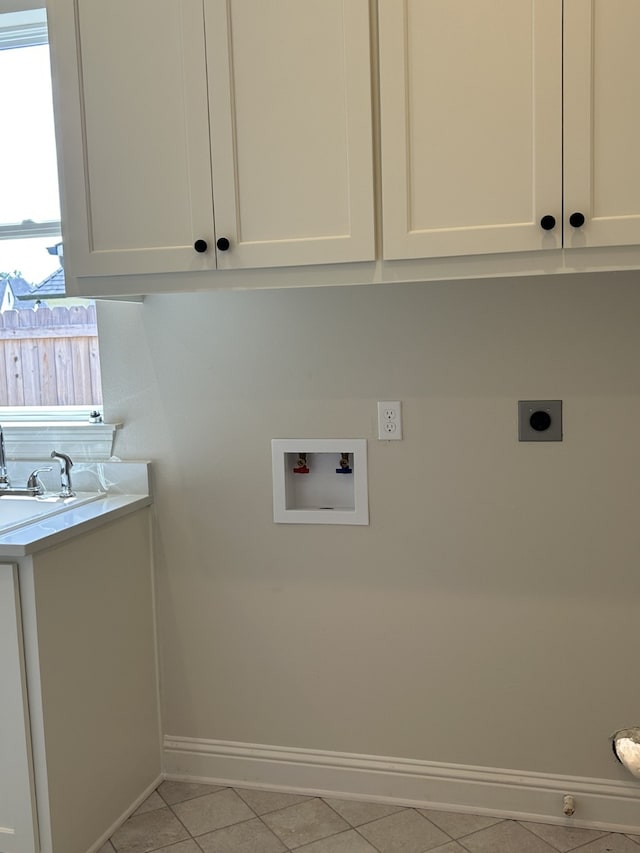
{"x":133,"y":134}
{"x":222,"y":135}
{"x":475,"y":122}
{"x":197,"y":134}
{"x":471,"y":126}
{"x":602,"y":122}
{"x":291,"y":135}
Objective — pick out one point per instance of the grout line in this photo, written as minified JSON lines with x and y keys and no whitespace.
{"x":366,"y":839}
{"x":208,"y":831}
{"x":393,"y":814}
{"x":273,"y":811}
{"x":230,"y":826}
{"x":473,"y":831}
{"x":462,"y":840}
{"x":602,"y":838}
{"x":316,"y":840}
{"x":186,"y":829}
{"x":335,"y":835}
{"x":271,"y":832}
{"x":550,"y":846}
{"x":365,"y":822}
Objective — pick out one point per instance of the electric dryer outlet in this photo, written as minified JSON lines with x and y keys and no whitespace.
{"x":539,"y":420}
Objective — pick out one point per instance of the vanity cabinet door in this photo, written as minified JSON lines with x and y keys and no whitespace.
{"x":130,"y":95}
{"x":18,"y":832}
{"x":471,"y":117}
{"x":291,"y":135}
{"x":602,"y":123}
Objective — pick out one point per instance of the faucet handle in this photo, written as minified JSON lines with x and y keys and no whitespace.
{"x":34,"y":483}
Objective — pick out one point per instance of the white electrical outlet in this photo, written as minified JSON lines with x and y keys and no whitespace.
{"x":390,"y":421}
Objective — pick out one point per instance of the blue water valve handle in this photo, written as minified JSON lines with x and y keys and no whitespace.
{"x":344,"y":465}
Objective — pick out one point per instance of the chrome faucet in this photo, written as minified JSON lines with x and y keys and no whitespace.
{"x":65,"y":474}
{"x":5,"y":482}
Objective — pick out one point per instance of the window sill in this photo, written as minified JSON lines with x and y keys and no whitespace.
{"x":36,"y":439}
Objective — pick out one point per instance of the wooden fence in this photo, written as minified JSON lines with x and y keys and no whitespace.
{"x":49,"y":357}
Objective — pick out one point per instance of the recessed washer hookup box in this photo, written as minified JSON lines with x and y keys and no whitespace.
{"x":320,"y":481}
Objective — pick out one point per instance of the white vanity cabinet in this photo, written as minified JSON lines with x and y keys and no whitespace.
{"x":479,"y":139}
{"x":79,"y":733}
{"x":18,"y":827}
{"x":212,"y":134}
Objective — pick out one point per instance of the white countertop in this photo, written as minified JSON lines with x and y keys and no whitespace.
{"x":68,"y":524}
{"x":125,"y":487}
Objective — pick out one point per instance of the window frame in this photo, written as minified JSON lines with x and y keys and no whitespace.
{"x":29,"y":428}
{"x":14,"y":36}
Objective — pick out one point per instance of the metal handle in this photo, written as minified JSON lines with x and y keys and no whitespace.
{"x":34,"y":483}
{"x":223,"y":244}
{"x":576,"y":219}
{"x":200,"y":246}
{"x":548,"y":222}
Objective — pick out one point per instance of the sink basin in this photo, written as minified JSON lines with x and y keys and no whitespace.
{"x":19,"y":511}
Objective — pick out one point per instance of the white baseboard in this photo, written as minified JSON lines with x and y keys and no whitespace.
{"x":118,"y":823}
{"x":600,"y":803}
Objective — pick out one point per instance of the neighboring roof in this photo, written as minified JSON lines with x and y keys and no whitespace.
{"x":12,"y":289}
{"x":18,"y":285}
{"x":52,"y":287}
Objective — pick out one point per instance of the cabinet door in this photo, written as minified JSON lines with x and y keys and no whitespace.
{"x":290,"y":100}
{"x":471,"y":126}
{"x":17,"y":807}
{"x":131,"y":96}
{"x":602,"y":123}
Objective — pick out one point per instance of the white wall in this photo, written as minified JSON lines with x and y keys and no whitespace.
{"x":489,"y":613}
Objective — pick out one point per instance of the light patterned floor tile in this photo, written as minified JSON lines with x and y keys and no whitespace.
{"x":612,"y":843}
{"x":213,"y":811}
{"x":153,"y":802}
{"x":404,"y":832}
{"x":146,"y":832}
{"x":563,"y":838}
{"x":181,"y":847}
{"x":224,"y":821}
{"x":252,"y":836}
{"x":263,"y":802}
{"x":456,"y":825}
{"x":505,"y":837}
{"x":357,"y":813}
{"x":345,"y":842}
{"x":304,"y":823}
{"x":178,"y":792}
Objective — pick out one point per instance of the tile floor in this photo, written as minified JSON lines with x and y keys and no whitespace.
{"x":183,"y":817}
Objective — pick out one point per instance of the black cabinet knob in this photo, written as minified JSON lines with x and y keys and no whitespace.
{"x":576,"y":219}
{"x":548,"y":222}
{"x":223,"y":244}
{"x":200,"y":246}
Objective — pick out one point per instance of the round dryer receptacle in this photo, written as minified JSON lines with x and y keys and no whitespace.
{"x":540,"y":421}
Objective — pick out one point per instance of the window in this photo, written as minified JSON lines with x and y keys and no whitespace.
{"x":48,"y":343}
